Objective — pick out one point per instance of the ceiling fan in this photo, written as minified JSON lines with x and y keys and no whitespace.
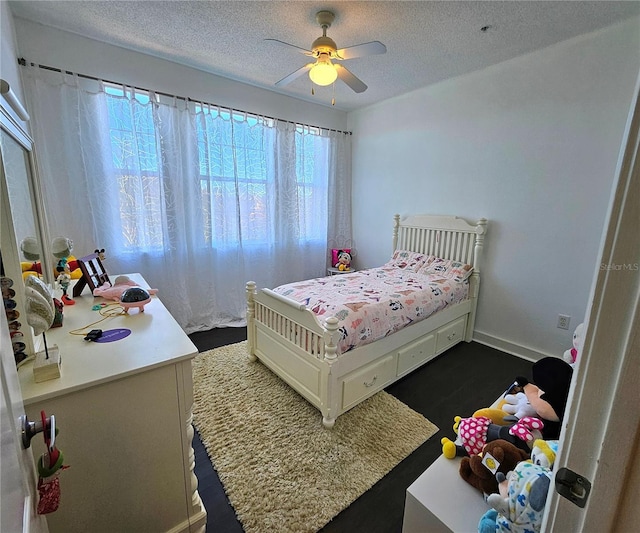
{"x":323,"y":50}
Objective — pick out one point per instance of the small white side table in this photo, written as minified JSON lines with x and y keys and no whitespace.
{"x":332,"y":271}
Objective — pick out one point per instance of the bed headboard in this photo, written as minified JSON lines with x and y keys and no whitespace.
{"x":449,"y":237}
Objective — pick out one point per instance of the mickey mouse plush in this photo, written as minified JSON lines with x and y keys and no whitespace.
{"x":549,"y":392}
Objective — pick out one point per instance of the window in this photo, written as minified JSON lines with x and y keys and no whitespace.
{"x":233,"y":176}
{"x":240,"y":180}
{"x":135,"y":160}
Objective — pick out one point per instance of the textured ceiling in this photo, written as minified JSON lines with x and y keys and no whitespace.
{"x":427,"y":41}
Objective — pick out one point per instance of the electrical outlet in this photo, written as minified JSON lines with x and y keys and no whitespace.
{"x":563,"y":321}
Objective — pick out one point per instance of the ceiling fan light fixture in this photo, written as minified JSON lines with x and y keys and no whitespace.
{"x":323,"y":72}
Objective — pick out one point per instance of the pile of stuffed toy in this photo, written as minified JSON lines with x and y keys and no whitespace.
{"x":508,"y":451}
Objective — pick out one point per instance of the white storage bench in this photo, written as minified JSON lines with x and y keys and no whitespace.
{"x":441,"y":501}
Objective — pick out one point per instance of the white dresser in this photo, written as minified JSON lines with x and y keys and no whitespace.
{"x":124,"y":413}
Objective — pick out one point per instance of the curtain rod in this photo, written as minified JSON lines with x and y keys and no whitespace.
{"x":23,"y":62}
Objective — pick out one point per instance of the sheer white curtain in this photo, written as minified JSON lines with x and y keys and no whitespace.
{"x":196,"y":198}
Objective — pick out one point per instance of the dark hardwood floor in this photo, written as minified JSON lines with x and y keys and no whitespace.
{"x":465,"y":378}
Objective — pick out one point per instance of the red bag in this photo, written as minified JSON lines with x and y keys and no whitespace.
{"x":49,"y":491}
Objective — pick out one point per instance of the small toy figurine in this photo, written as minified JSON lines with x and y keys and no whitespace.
{"x":64,"y":278}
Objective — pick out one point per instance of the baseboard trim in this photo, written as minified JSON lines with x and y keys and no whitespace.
{"x":524,"y":352}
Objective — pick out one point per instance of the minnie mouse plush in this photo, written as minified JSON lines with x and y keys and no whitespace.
{"x":344,"y":260}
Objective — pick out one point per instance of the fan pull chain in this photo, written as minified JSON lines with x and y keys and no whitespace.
{"x":333,"y":96}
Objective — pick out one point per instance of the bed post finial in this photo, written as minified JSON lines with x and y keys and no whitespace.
{"x":251,"y":313}
{"x":481,"y":230}
{"x":330,"y":338}
{"x":396,"y":225}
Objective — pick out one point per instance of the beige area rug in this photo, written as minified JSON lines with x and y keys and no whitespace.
{"x":280,"y":468}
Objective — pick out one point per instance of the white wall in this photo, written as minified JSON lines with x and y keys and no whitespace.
{"x":532,"y":145}
{"x":48,"y":46}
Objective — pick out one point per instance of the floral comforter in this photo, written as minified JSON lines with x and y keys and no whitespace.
{"x":371,"y":304}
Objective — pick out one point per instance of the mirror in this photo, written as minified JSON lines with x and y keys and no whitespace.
{"x":16,"y":169}
{"x":23,"y":229}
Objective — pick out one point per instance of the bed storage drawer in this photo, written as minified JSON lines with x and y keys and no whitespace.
{"x":414,"y":354}
{"x":450,"y":334}
{"x":366,"y":381}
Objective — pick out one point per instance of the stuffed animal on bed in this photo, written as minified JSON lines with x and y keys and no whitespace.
{"x":497,"y":456}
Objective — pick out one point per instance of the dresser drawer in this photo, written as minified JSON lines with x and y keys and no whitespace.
{"x":416,"y":353}
{"x":450,"y":334}
{"x":365,"y":382}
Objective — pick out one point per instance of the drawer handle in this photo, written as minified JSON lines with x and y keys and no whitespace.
{"x":370,"y":383}
{"x":452,"y":336}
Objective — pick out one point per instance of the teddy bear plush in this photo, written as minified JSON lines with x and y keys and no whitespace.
{"x":497,"y":456}
{"x":571,"y":356}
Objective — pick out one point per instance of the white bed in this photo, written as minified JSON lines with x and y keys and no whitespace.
{"x":289,"y":339}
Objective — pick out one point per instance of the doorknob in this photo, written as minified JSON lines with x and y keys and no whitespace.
{"x":29,"y":429}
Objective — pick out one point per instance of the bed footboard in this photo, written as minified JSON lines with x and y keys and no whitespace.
{"x":291,"y":321}
{"x":287,"y":338}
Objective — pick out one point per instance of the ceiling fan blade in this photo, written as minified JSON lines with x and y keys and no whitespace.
{"x":294,"y":75}
{"x":282,"y":43}
{"x":355,"y":83}
{"x":361,"y":50}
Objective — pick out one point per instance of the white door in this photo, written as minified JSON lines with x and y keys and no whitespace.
{"x":18,"y":492}
{"x":602,"y":425}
